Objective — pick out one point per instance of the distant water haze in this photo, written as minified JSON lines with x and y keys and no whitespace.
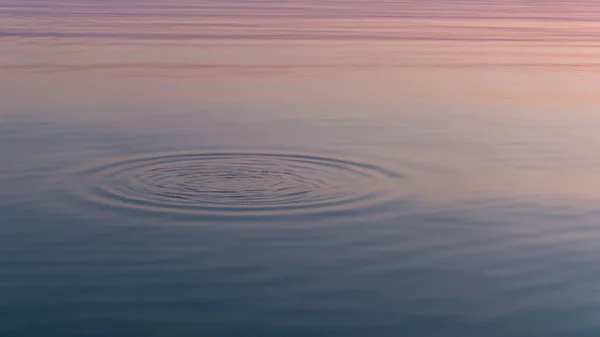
{"x":454,"y":20}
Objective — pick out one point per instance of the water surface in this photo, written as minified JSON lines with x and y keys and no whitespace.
{"x":314,"y":168}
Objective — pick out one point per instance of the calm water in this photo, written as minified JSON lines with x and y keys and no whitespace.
{"x":299,"y":168}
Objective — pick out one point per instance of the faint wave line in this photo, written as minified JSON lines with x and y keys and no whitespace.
{"x":253,"y":69}
{"x":564,"y":38}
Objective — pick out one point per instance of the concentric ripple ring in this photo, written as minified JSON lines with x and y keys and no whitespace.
{"x":236,"y":183}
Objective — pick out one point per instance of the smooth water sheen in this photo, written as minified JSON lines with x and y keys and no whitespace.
{"x":299,"y":168}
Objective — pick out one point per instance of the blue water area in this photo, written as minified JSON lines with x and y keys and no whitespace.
{"x":315,"y":168}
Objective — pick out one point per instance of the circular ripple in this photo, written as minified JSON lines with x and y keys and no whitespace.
{"x":232,"y":183}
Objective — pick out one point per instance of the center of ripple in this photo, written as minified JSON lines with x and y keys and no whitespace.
{"x":237,"y":184}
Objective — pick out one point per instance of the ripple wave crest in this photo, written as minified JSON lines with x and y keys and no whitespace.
{"x":237,"y":183}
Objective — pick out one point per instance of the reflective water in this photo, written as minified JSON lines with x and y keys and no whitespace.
{"x":314,"y":168}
